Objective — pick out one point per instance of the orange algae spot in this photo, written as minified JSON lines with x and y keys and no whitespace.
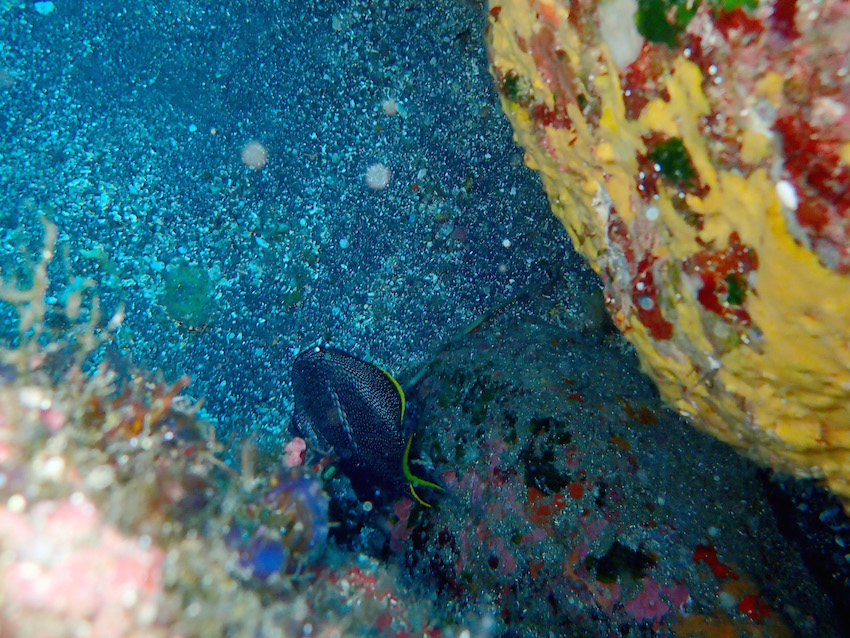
{"x":783,"y":18}
{"x":534,"y":567}
{"x":645,"y":299}
{"x":534,"y":495}
{"x":754,"y":607}
{"x":708,"y":555}
{"x":723,"y":274}
{"x":541,"y":507}
{"x":548,"y":14}
{"x":641,"y":414}
{"x":620,"y":442}
{"x":151,"y":409}
{"x":737,"y":25}
{"x":384,"y":621}
{"x":716,"y":626}
{"x":541,"y":514}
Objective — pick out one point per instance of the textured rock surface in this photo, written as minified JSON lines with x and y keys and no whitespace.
{"x":699,"y":156}
{"x":576,"y":505}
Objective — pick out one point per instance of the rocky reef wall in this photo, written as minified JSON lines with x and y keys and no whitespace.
{"x":698,"y":154}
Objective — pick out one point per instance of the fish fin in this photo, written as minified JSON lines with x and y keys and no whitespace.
{"x":417,"y":497}
{"x":343,"y":417}
{"x":415,"y":480}
{"x":399,"y":390}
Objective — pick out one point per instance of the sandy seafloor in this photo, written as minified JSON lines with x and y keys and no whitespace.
{"x":124,"y":123}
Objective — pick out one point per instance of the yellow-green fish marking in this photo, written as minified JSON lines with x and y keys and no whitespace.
{"x":357,"y":409}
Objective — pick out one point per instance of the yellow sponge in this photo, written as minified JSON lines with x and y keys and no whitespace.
{"x":699,"y":161}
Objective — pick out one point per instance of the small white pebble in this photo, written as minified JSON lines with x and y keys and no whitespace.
{"x":506,"y":243}
{"x":53,"y":468}
{"x":100,"y":477}
{"x":652,"y":213}
{"x":193,"y":128}
{"x":129,"y":597}
{"x":33,"y":397}
{"x":646,"y":302}
{"x":255,"y":155}
{"x":787,"y":194}
{"x":44,"y":8}
{"x":147,"y":613}
{"x":16,"y":503}
{"x":390,"y":107}
{"x":344,"y":243}
{"x":378,"y":176}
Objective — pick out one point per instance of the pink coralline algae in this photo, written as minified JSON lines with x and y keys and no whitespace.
{"x":66,"y":572}
{"x":295,"y":451}
{"x":649,"y":605}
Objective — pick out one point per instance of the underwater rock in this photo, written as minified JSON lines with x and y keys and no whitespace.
{"x":708,"y":183}
{"x":635,"y":524}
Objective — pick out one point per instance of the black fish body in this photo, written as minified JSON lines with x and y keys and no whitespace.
{"x":357,"y":409}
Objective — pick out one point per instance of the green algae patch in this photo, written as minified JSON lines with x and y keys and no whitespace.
{"x":674,"y":162}
{"x":188,"y":294}
{"x":664,"y":21}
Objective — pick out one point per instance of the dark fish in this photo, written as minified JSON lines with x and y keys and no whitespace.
{"x":357,"y":409}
